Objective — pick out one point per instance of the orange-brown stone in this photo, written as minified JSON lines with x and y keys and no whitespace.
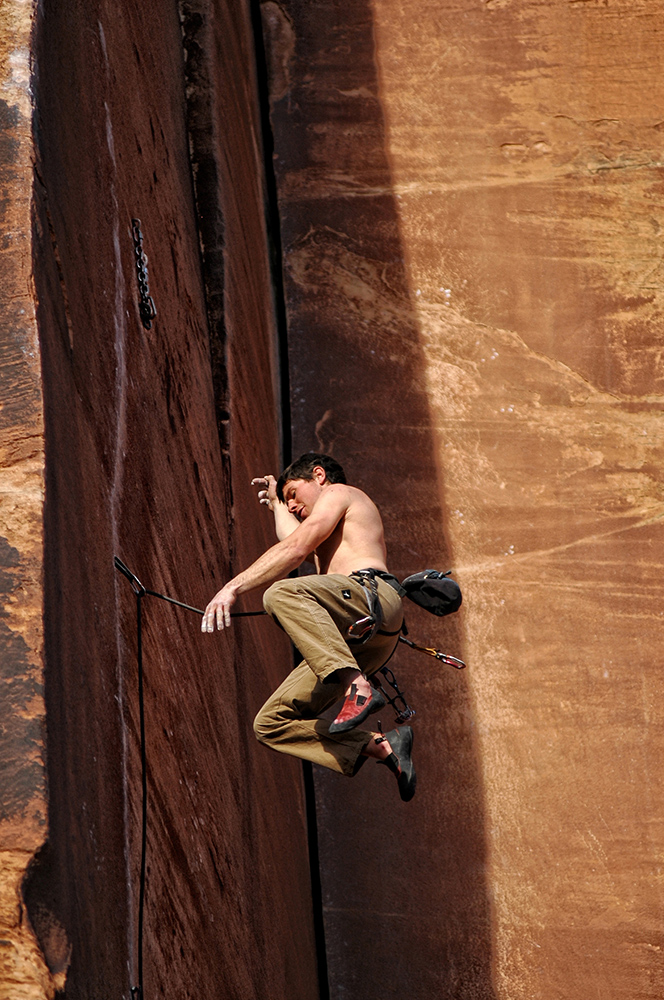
{"x":471,"y":197}
{"x":23,"y":972}
{"x":471,"y":206}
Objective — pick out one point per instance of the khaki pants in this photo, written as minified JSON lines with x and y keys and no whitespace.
{"x":316,"y":611}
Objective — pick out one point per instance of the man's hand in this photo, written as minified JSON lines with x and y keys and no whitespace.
{"x":269,"y":494}
{"x":219,"y":609}
{"x":285,"y":523}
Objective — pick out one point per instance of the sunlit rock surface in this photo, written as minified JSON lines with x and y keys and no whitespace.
{"x":471,"y":197}
{"x":23,"y":971}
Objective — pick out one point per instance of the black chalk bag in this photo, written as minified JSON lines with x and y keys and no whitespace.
{"x":434,"y":591}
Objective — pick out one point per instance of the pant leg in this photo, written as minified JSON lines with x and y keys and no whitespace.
{"x":288,"y":722}
{"x":316,"y":614}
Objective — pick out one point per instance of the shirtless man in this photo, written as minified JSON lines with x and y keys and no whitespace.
{"x":317,"y":513}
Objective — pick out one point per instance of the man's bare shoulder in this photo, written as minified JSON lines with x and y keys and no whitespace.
{"x":353,"y":498}
{"x":350,"y":493}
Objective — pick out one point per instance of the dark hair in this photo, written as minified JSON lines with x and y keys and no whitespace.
{"x":303,"y":468}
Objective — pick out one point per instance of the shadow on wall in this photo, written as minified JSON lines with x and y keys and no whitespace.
{"x":404,"y":893}
{"x":134,"y":468}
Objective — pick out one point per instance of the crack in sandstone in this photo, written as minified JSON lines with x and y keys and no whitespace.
{"x":350,"y":187}
{"x":523,"y":557}
{"x":601,"y":396}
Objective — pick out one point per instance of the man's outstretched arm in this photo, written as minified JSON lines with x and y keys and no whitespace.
{"x":278,"y":560}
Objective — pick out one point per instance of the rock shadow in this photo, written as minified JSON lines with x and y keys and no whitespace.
{"x":405,"y":899}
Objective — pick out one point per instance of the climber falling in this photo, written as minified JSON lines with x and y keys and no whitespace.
{"x":345,"y":620}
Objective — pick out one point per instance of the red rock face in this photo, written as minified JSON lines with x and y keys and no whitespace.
{"x":134,"y":468}
{"x":23,"y":786}
{"x":471,"y":201}
{"x":471,"y":205}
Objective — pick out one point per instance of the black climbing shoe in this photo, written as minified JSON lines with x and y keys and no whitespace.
{"x":399,"y":761}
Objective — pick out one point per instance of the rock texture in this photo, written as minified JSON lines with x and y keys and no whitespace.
{"x":151,"y":438}
{"x":23,"y":972}
{"x":471,"y":199}
{"x":471,"y":203}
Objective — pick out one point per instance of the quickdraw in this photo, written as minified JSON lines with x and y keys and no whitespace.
{"x":398,"y":702}
{"x":452,"y":661}
{"x":402,"y":709}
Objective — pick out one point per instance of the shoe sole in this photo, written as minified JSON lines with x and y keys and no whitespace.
{"x":402,"y":746}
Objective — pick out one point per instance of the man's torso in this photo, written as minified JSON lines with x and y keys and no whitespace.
{"x":358,"y":539}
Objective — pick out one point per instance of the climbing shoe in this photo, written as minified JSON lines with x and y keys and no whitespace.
{"x":356,"y":708}
{"x":399,"y":761}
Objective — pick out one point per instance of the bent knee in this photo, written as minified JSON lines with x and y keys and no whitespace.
{"x":271,"y":595}
{"x":263,"y":727}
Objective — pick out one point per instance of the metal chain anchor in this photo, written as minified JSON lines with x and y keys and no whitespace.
{"x":146,"y":306}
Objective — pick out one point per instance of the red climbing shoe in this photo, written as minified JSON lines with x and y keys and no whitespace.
{"x":356,"y":708}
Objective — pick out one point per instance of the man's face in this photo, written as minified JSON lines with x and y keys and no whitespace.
{"x":300,"y":496}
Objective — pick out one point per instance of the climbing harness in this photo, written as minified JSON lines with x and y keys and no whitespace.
{"x":365,"y":628}
{"x":431,"y":590}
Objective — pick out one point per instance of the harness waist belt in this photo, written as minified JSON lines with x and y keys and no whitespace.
{"x":387,"y":577}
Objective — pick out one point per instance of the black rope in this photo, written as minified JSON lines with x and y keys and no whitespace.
{"x":137,"y":991}
{"x":141,"y":592}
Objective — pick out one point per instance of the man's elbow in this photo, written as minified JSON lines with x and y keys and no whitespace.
{"x":298,"y":550}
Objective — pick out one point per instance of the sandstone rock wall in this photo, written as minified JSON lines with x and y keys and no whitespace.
{"x":471,"y":207}
{"x":471,"y":198}
{"x":151,"y":438}
{"x":23,"y":790}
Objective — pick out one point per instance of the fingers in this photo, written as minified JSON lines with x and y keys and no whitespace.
{"x":219,"y":613}
{"x":219,"y":609}
{"x":269,"y":494}
{"x":223,"y":616}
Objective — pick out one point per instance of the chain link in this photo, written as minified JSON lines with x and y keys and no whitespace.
{"x":146,"y":306}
